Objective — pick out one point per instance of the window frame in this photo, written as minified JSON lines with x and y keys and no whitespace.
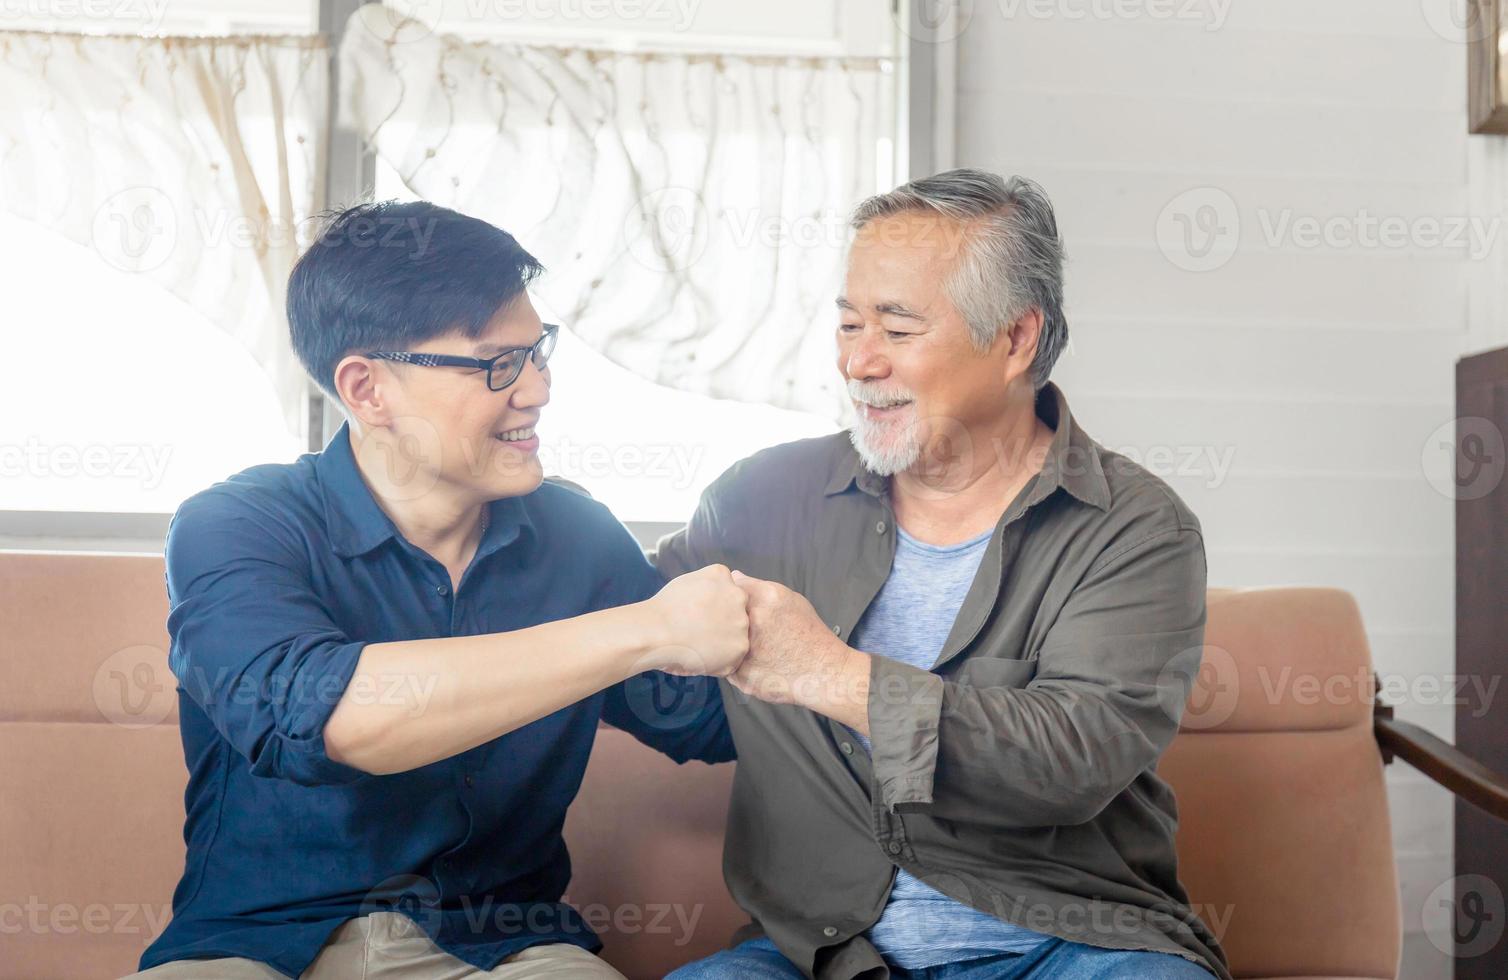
{"x":925,"y":144}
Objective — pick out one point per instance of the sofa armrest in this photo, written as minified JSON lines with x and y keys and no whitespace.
{"x":1439,"y":760}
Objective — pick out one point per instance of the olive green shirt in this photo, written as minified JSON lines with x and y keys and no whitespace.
{"x":1018,"y":775}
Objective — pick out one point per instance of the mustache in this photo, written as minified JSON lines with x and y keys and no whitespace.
{"x":878,"y":395}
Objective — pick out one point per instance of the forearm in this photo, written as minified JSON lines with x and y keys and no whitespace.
{"x":414,"y":702}
{"x":837,"y":686}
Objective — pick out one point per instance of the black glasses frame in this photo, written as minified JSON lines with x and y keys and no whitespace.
{"x":498,"y":377}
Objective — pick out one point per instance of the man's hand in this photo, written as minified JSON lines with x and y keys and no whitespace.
{"x":703,"y":624}
{"x":794,"y":658}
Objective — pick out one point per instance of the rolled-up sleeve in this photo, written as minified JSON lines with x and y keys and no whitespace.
{"x":252,"y":645}
{"x":681,"y":717}
{"x":1108,"y":691}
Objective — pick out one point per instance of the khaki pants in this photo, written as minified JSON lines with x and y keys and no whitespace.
{"x":389,"y":946}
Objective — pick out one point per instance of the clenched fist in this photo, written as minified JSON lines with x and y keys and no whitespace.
{"x":795,"y":659}
{"x":704,"y":624}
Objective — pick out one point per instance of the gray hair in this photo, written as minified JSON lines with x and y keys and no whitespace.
{"x":1012,"y":258}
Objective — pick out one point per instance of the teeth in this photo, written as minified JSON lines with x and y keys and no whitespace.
{"x":516,"y":435}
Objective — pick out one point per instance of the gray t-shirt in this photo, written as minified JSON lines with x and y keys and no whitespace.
{"x":909,"y":621}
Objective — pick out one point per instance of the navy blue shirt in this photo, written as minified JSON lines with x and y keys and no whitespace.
{"x":276,"y":579}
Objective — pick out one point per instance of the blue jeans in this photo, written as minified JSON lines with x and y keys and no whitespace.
{"x":1058,"y":959}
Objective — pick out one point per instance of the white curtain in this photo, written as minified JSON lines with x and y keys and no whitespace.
{"x":193,"y":161}
{"x":690,"y":208}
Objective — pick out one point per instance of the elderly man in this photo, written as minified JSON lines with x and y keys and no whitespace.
{"x":972,"y":632}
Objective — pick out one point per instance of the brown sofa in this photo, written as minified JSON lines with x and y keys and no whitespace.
{"x":1284,"y":839}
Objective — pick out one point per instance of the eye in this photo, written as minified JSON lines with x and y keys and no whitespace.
{"x":850,"y":327}
{"x":896,"y":334}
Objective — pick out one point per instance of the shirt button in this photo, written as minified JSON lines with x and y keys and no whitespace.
{"x":442,"y":590}
{"x":468,"y":780}
{"x":894,"y":847}
{"x":879,"y":528}
{"x":830,"y":931}
{"x":847,"y":748}
{"x":837,"y":629}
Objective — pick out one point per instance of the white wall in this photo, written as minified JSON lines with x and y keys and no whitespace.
{"x":1320,"y":372}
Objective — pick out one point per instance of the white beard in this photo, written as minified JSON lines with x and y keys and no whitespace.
{"x":886,"y":449}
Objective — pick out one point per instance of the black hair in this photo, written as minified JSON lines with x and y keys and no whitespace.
{"x":391,"y":274}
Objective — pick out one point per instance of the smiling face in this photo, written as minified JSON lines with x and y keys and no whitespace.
{"x":443,"y":429}
{"x":917,"y":381}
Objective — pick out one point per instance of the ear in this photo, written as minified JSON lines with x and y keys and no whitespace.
{"x":366,"y":389}
{"x":1021,"y":339}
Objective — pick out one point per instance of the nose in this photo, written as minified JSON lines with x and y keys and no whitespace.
{"x":532,"y":389}
{"x":863,"y":359}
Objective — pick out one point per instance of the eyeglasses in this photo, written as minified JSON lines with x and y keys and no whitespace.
{"x":502,"y":369}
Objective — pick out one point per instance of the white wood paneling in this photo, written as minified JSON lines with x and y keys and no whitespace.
{"x":1317,"y":374}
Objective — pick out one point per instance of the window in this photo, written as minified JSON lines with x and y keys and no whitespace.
{"x":161,"y":17}
{"x":118,"y":396}
{"x":644,"y":450}
{"x":92,"y":424}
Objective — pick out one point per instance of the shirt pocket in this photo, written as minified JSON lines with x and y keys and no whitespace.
{"x":995,"y":672}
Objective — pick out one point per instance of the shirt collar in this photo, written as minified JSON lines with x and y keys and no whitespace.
{"x":355,"y":523}
{"x":1073,"y":459}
